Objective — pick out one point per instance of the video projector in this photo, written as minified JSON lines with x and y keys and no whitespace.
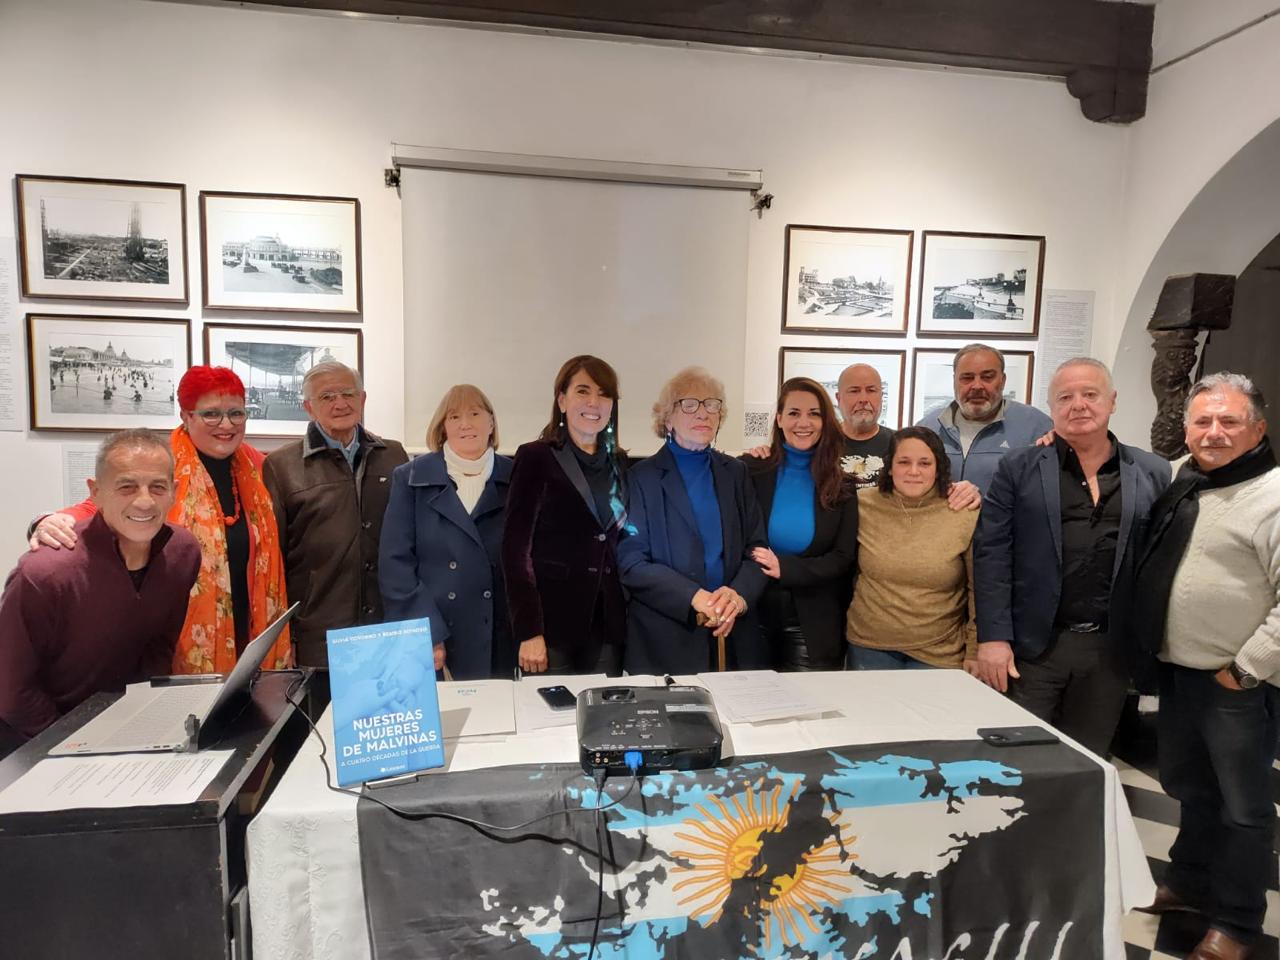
{"x":673,"y":727}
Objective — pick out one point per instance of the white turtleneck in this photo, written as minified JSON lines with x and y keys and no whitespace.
{"x":469,"y":476}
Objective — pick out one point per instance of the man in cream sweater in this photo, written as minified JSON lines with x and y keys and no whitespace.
{"x":1208,"y":583}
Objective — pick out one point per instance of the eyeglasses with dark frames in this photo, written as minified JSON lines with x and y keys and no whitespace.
{"x":691,"y":404}
{"x":211,"y":418}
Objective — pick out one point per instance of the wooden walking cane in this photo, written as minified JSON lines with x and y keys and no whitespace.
{"x":704,"y":621}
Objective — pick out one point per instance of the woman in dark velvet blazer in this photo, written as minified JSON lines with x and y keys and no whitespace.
{"x":441,"y":539}
{"x":692,"y":523}
{"x":565,"y":512}
{"x":811,"y":519}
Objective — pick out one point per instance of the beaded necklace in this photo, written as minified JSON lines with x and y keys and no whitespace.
{"x":235,"y":494}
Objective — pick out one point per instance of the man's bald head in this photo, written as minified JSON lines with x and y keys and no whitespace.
{"x":860,"y":393}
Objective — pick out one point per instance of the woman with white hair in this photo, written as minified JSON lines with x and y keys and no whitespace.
{"x":693,"y":522}
{"x":441,"y":550}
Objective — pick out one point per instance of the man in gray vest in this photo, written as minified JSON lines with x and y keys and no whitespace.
{"x":1208,"y":582}
{"x":330,"y":490}
{"x":981,"y":425}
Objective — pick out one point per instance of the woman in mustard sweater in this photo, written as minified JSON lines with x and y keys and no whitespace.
{"x":913,"y":604}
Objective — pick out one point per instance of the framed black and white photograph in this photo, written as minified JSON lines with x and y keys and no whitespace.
{"x":825,"y":365}
{"x":275,"y":252}
{"x":105,"y":373}
{"x":980,"y":285}
{"x":88,"y":239}
{"x":933,"y":382}
{"x":272,"y":362}
{"x":846,"y":280}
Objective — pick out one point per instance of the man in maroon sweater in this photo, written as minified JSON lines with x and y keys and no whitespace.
{"x":77,"y":622}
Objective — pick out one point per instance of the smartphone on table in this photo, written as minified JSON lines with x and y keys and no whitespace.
{"x":558,"y":697}
{"x":1016,"y":736}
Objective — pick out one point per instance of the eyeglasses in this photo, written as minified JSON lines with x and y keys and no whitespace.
{"x":331,"y":396}
{"x":211,"y":418}
{"x":691,"y":404}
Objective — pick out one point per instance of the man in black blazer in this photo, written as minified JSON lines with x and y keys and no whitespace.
{"x":1057,"y":527}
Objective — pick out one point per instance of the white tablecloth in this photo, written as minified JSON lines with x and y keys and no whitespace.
{"x":305,"y":890}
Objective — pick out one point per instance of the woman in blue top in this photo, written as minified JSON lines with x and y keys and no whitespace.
{"x":812,"y":523}
{"x":692,"y":523}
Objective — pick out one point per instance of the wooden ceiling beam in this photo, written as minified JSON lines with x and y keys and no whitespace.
{"x":1101,"y":47}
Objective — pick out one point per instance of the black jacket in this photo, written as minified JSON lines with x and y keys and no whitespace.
{"x":821,"y":578}
{"x":1017,"y":550}
{"x":558,"y":559}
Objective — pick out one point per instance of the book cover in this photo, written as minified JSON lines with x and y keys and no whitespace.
{"x":386,"y":714}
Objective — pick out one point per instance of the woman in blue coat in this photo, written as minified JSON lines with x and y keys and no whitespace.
{"x":441,"y":550}
{"x":693,"y":521}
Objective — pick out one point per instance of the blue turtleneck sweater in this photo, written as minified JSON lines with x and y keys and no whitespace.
{"x":791,"y":519}
{"x":695,"y":470}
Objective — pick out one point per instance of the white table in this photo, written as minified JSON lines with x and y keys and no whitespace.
{"x":305,"y":888}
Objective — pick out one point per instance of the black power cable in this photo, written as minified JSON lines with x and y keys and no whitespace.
{"x":456,"y":818}
{"x":595,"y":927}
{"x":632,"y":760}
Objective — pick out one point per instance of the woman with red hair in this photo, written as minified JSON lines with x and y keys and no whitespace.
{"x":222,"y":500}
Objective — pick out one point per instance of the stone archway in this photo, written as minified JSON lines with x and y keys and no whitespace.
{"x":1234,"y":216}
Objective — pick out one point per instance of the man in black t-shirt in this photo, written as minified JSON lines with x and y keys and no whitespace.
{"x":860,"y":396}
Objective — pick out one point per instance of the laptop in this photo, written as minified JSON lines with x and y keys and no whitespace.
{"x":174,"y":714}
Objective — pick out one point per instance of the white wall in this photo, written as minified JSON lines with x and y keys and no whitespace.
{"x":1201,"y":114}
{"x":232,"y":99}
{"x":1183,"y":25}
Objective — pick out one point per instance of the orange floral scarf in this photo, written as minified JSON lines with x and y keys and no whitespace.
{"x":208,"y":640}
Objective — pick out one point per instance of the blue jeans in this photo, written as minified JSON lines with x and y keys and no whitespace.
{"x":862,"y":658}
{"x":1216,"y":746}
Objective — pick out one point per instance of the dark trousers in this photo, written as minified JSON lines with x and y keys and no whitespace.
{"x":784,"y":637}
{"x":1078,"y":684}
{"x":609,"y":662}
{"x":1216,"y":746}
{"x":600,"y":653}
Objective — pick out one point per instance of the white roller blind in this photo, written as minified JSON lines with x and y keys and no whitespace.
{"x":506,"y":277}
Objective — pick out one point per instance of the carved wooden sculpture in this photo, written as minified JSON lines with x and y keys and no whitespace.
{"x":1187,"y":305}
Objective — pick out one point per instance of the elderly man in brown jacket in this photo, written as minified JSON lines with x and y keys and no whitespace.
{"x":330,"y":491}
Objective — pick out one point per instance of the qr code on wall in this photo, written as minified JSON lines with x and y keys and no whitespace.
{"x":756,"y":424}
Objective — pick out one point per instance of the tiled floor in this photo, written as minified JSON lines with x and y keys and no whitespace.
{"x":1172,"y":936}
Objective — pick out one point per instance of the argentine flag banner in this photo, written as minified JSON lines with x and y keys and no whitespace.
{"x":933,"y":850}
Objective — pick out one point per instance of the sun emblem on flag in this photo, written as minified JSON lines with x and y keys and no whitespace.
{"x":725,"y":848}
{"x":821,"y":878}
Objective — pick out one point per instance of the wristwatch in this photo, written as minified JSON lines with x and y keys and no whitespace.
{"x":1246,"y":679}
